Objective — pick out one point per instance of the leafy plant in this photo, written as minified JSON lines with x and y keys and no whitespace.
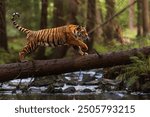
{"x":131,"y":73}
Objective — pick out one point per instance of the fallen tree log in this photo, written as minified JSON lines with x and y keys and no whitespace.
{"x":59,"y":66}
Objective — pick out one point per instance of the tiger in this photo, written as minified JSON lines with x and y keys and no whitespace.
{"x":70,"y":34}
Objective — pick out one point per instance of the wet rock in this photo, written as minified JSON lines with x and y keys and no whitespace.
{"x":87,"y":78}
{"x":113,"y":72}
{"x":1,"y":89}
{"x":146,"y":87}
{"x":72,"y":82}
{"x":69,"y":90}
{"x":105,"y":87}
{"x":50,"y":89}
{"x":110,"y":82}
{"x":94,"y":82}
{"x":60,"y":79}
{"x":57,"y":90}
{"x":109,"y":85}
{"x":86,"y":90}
{"x":43,"y":81}
{"x":114,"y":95}
{"x":58,"y":84}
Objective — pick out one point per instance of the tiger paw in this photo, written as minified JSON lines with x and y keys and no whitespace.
{"x":85,"y":53}
{"x":84,"y":48}
{"x":23,"y":61}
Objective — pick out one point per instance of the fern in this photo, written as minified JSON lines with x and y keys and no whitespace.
{"x":131,"y":73}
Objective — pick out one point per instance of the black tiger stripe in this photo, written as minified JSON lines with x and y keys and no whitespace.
{"x":20,"y":28}
{"x":56,"y":36}
{"x":42,"y":34}
{"x":53,"y":36}
{"x":48,"y":37}
{"x":36,"y":35}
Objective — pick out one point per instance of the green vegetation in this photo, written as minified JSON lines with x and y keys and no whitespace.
{"x":15,"y":45}
{"x":133,"y":42}
{"x":136,"y":75}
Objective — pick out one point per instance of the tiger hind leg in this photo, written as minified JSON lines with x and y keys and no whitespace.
{"x":30,"y":47}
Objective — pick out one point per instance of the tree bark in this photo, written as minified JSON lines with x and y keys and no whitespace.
{"x":131,"y":15}
{"x":91,"y":19}
{"x":70,"y":13}
{"x":112,"y":29}
{"x":146,"y":22}
{"x":58,"y":20}
{"x":3,"y":34}
{"x":59,"y":66}
{"x":139,"y":18}
{"x":99,"y":20}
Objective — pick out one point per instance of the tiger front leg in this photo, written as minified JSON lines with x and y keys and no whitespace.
{"x":82,"y":47}
{"x":78,"y":49}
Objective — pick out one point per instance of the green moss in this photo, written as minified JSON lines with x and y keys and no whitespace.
{"x":115,"y":46}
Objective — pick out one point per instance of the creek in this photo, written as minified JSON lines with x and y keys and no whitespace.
{"x":82,"y":85}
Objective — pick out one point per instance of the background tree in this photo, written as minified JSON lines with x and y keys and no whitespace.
{"x":58,"y":20}
{"x":139,"y":18}
{"x":3,"y":34}
{"x":63,"y":14}
{"x":112,"y":29}
{"x":43,"y":25}
{"x":99,"y":20}
{"x":146,"y":21}
{"x":71,"y":11}
{"x":91,"y":19}
{"x":89,"y":13}
{"x":131,"y":15}
{"x":36,"y":13}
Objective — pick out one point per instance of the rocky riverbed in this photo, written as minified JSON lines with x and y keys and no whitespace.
{"x":76,"y":85}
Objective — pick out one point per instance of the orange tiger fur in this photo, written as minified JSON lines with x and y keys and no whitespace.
{"x":64,"y":35}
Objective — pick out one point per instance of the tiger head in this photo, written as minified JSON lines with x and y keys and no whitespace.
{"x":80,"y":32}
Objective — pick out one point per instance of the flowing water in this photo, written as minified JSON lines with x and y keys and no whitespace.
{"x":37,"y":92}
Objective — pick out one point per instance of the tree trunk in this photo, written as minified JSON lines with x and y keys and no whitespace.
{"x":36,"y":9}
{"x":59,"y":66}
{"x":146,"y":22}
{"x":43,"y":24}
{"x":99,"y":20}
{"x":58,"y":20}
{"x":131,"y":15}
{"x":3,"y":34}
{"x":139,"y":18}
{"x":91,"y":19}
{"x":70,"y":13}
{"x":111,"y":30}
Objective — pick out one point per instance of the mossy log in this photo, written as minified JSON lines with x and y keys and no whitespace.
{"x":64,"y":65}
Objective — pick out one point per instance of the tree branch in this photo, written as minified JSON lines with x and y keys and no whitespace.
{"x":115,"y":15}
